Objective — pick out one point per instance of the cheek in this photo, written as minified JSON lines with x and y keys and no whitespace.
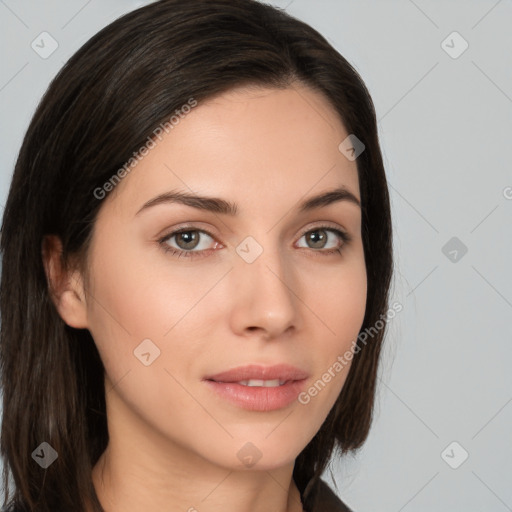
{"x":338,"y":298}
{"x":340,"y":306}
{"x":137,"y":309}
{"x":127,"y":296}
{"x":133,"y":301}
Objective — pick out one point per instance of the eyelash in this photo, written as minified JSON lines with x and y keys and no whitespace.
{"x":345,"y":237}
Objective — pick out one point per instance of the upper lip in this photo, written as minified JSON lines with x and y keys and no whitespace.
{"x":283,"y":372}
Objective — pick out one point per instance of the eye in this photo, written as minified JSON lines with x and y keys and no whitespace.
{"x":323,"y":237}
{"x":190,"y":242}
{"x":187,"y":240}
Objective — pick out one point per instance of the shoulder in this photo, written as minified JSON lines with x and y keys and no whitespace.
{"x":327,"y":501}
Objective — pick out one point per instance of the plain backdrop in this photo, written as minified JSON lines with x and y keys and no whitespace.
{"x":440,"y":74}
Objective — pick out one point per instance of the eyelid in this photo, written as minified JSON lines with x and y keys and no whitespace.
{"x":327,"y":224}
{"x":193,"y":226}
{"x":197,"y":227}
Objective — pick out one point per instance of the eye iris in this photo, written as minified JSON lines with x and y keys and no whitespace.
{"x":317,"y":239}
{"x":190,"y":239}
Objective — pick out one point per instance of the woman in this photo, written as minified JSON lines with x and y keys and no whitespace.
{"x":196,"y":240}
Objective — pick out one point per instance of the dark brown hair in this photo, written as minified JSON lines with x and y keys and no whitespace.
{"x":100,"y":109}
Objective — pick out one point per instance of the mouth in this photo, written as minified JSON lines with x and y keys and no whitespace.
{"x":259,"y":388}
{"x":263,"y":383}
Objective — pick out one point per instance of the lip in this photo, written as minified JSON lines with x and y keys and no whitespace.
{"x":253,"y":371}
{"x":259,"y":398}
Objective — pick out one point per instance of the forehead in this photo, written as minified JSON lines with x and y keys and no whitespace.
{"x":254,"y":145}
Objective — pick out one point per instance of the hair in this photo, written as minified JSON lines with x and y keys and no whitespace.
{"x":100,"y":108}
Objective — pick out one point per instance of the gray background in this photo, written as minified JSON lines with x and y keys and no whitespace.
{"x":445,"y":125}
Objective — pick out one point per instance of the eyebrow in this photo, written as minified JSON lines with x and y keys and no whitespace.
{"x":218,"y":205}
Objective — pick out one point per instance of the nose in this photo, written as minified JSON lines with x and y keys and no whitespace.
{"x":264,"y":302}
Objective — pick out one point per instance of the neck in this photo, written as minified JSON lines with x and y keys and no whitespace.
{"x":131,"y":481}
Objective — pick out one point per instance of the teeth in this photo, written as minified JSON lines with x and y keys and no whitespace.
{"x":263,"y":383}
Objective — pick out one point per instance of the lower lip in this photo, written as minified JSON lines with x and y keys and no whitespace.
{"x":258,"y":398}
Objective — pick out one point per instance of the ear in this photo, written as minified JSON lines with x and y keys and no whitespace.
{"x":65,"y":287}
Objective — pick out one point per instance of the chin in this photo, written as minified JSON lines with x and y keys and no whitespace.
{"x":254,"y":452}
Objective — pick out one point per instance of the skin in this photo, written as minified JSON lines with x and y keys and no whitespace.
{"x":267,"y":150}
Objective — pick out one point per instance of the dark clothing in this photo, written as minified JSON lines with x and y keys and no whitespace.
{"x":327,"y":501}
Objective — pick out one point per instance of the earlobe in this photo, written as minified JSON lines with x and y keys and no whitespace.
{"x":65,"y":287}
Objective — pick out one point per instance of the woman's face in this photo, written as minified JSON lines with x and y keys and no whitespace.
{"x":263,"y":286}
